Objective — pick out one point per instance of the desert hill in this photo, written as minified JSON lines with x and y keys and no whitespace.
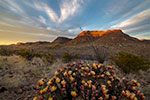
{"x":61,"y":40}
{"x":88,"y":36}
{"x":103,"y":37}
{"x":116,"y":36}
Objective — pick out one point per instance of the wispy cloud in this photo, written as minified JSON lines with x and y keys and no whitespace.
{"x":68,"y":9}
{"x":136,"y":20}
{"x":115,"y":7}
{"x":12,"y":5}
{"x":42,"y":19}
{"x":137,"y":8}
{"x":139,"y":29}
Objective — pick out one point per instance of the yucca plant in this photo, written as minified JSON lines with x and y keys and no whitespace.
{"x":80,"y":81}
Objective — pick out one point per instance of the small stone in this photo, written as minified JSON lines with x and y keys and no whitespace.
{"x":26,"y":88}
{"x":11,"y":75}
{"x":25,"y":98}
{"x":29,"y":96}
{"x":2,"y":89}
{"x":19,"y":91}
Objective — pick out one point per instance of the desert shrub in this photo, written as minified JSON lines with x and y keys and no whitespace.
{"x":80,"y":81}
{"x":129,"y":62}
{"x":5,"y":52}
{"x":28,"y":55}
{"x":37,"y":72}
{"x":68,"y":57}
{"x":49,"y":58}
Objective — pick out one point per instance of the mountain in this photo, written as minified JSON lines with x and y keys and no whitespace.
{"x":61,"y":40}
{"x":116,"y":36}
{"x":102,"y":37}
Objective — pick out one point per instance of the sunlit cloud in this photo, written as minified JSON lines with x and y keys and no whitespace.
{"x":140,"y":21}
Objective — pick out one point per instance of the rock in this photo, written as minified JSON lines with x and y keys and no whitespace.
{"x":25,"y":99}
{"x":2,"y":89}
{"x":33,"y":87}
{"x":19,"y":91}
{"x":29,"y":96}
{"x":26,"y":88}
{"x":11,"y":75}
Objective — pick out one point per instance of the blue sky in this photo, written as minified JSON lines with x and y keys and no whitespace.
{"x":44,"y":20}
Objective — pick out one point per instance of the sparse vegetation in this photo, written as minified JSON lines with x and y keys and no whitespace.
{"x":130,"y":63}
{"x":80,"y":81}
{"x":27,"y":54}
{"x":68,"y":57}
{"x":5,"y":52}
{"x":100,"y":53}
{"x":49,"y":58}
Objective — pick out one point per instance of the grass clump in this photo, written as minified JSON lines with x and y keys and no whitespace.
{"x":68,"y":57}
{"x":130,"y":63}
{"x":80,"y":81}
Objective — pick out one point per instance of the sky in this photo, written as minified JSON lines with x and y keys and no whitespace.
{"x":45,"y":20}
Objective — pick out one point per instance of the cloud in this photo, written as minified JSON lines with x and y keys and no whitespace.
{"x":115,"y":7}
{"x":48,"y":10}
{"x":12,"y":5}
{"x":134,"y":21}
{"x":138,"y":29}
{"x":143,"y":36}
{"x":25,"y":33}
{"x":68,"y":9}
{"x":131,"y":11}
{"x":42,"y":19}
{"x":141,"y":5}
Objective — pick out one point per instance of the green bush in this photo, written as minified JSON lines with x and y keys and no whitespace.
{"x":130,"y":63}
{"x":68,"y":57}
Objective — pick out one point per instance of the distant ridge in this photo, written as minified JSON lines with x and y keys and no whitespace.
{"x":61,"y":40}
{"x":109,"y":37}
{"x":33,"y":43}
